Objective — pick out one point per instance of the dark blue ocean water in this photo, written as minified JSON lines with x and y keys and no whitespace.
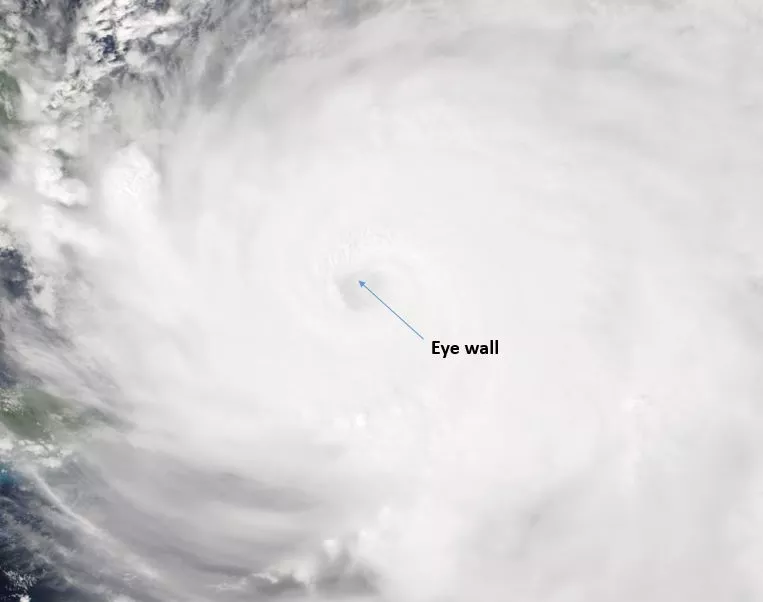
{"x":25,"y":566}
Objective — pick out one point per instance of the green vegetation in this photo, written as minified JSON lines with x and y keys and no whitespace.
{"x":10,"y":93}
{"x":34,"y":415}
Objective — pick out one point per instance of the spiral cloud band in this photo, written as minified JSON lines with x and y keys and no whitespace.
{"x":580,"y":183}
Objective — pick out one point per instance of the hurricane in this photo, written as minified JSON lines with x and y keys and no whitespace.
{"x":202,"y":205}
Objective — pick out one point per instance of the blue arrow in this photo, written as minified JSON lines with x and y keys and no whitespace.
{"x":363,"y":285}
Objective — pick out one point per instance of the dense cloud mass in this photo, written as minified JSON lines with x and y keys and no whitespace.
{"x":222,"y":413}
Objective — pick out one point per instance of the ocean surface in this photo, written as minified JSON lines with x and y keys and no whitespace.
{"x":199,"y":403}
